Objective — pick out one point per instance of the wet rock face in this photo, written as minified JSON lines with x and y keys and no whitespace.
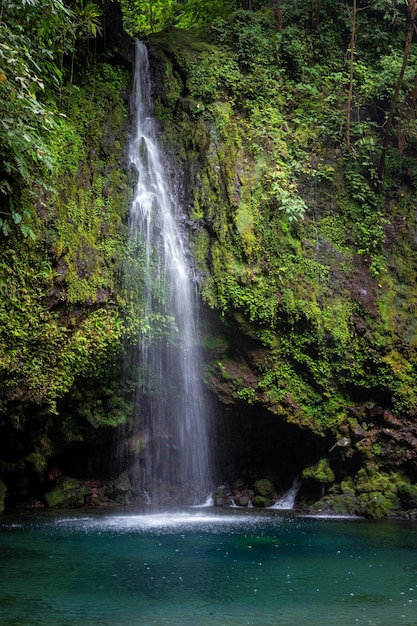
{"x":313,"y":351}
{"x":377,"y":435}
{"x":121,"y":489}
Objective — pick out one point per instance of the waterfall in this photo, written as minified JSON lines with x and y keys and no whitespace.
{"x":172,"y":406}
{"x":288,"y":499}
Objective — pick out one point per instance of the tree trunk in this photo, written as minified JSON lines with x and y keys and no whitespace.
{"x":315,"y":13}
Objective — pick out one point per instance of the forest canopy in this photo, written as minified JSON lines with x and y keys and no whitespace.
{"x":149,"y":16}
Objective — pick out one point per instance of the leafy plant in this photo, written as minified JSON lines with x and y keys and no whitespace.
{"x":35,"y":36}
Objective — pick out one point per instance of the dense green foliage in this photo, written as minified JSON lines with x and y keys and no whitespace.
{"x":36,"y":37}
{"x":64,"y":193}
{"x":148,"y":16}
{"x":297,"y":238}
{"x":59,"y":307}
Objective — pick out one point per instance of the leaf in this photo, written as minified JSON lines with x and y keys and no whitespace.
{"x":28,"y":232}
{"x":16,"y":217}
{"x":6,"y":228}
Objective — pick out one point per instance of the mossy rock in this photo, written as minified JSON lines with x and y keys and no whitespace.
{"x":408,"y":496}
{"x":67,"y":493}
{"x":262,"y":501}
{"x":37,"y":461}
{"x":347,"y":486}
{"x":341,"y":504}
{"x":321,"y":472}
{"x":377,"y":505}
{"x":265,"y":488}
{"x":3,"y":491}
{"x":374,"y":482}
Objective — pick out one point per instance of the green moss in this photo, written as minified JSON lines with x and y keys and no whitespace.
{"x":321,"y":472}
{"x":369,"y":480}
{"x":264,"y":487}
{"x":376,"y":505}
{"x":261,"y":501}
{"x":408,"y":495}
{"x":67,"y":493}
{"x":37,"y":461}
{"x":347,"y":486}
{"x":62,"y":318}
{"x":261,"y":136}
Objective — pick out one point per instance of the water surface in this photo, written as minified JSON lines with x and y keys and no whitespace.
{"x":201,"y":567}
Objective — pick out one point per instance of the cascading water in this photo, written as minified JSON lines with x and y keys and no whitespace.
{"x":173,"y":411}
{"x":288,"y":499}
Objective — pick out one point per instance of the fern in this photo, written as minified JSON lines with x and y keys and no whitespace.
{"x":21,"y":164}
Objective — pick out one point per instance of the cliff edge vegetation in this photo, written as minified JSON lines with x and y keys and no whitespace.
{"x":64,"y":192}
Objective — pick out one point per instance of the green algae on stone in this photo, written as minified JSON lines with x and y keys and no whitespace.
{"x":68,"y":492}
{"x":264,"y":488}
{"x":321,"y":472}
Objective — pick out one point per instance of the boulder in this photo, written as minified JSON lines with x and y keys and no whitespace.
{"x":376,"y":505}
{"x":264,"y":488}
{"x":262,"y":501}
{"x":242,"y":500}
{"x":408,"y":495}
{"x":121,"y":489}
{"x":67,"y":493}
{"x":321,"y":472}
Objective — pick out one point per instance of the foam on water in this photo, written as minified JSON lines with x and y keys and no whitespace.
{"x":166,"y":522}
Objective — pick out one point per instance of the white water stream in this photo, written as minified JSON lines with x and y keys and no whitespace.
{"x":173,"y":411}
{"x":288,"y":499}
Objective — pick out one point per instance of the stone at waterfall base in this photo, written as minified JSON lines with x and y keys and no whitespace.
{"x":67,"y":493}
{"x":121,"y":489}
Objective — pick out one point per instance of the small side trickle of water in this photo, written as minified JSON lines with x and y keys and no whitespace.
{"x":288,"y":499}
{"x":172,"y":406}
